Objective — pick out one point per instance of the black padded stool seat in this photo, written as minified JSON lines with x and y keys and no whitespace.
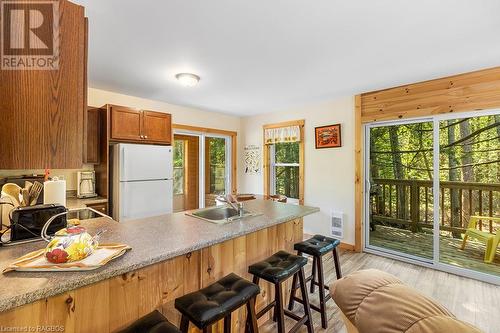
{"x":208,"y":305}
{"x":278,"y":267}
{"x":153,"y":322}
{"x":317,"y":245}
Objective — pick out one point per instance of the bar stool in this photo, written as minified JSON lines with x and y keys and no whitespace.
{"x":207,"y":306}
{"x":276,"y":269}
{"x":153,"y":322}
{"x":317,"y":247}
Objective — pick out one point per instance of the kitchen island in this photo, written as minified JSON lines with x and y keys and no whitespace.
{"x":171,"y":255}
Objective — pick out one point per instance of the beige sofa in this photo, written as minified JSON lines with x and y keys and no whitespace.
{"x":373,"y":301}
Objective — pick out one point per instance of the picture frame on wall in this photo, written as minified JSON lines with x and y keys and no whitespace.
{"x":329,"y":136}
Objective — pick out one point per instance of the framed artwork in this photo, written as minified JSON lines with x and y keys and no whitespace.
{"x":328,"y":136}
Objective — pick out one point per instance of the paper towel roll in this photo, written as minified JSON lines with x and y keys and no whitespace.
{"x":54,"y":191}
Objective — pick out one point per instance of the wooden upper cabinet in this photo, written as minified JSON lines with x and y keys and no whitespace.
{"x":93,"y":136}
{"x":42,"y":111}
{"x":126,"y":123}
{"x":157,"y":127}
{"x":133,"y":125}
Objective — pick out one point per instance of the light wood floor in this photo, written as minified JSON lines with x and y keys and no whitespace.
{"x":470,"y":300}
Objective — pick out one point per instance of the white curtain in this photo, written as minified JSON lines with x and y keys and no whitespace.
{"x":282,"y":134}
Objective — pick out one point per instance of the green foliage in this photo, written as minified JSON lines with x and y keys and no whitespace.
{"x":287,"y":177}
{"x":476,"y":149}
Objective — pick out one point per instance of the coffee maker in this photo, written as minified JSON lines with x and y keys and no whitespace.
{"x":86,"y":184}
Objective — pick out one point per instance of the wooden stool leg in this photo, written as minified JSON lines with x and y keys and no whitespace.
{"x":251,"y":326}
{"x":337,"y":263}
{"x":278,"y":308}
{"x":313,"y":276}
{"x":293,"y":292}
{"x":227,"y":324}
{"x":184,"y":324}
{"x":295,"y":286}
{"x":322,"y":302}
{"x":305,"y":298}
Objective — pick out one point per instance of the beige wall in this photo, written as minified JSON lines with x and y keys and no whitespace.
{"x":68,"y":174}
{"x":329,"y":173}
{"x":180,"y":114}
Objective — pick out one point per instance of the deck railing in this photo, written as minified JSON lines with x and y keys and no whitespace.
{"x":410,"y":203}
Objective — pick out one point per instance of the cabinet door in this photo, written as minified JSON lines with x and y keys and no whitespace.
{"x":92,"y":137}
{"x":126,"y":124}
{"x":157,"y":127}
{"x":42,"y":111}
{"x":100,"y":207}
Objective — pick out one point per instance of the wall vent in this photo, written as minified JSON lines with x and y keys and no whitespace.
{"x":337,"y":226}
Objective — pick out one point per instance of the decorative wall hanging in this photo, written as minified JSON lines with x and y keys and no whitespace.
{"x":252,"y":160}
{"x":328,"y":136}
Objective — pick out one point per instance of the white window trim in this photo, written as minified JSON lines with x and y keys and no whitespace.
{"x":272,"y":172}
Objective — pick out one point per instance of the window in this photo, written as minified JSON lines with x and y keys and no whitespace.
{"x":284,"y":160}
{"x":285,"y":169}
{"x":179,"y":166}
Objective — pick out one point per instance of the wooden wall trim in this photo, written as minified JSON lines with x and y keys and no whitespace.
{"x":358,"y":174}
{"x":464,"y":92}
{"x":472,"y":91}
{"x":285,"y":124}
{"x":203,"y":129}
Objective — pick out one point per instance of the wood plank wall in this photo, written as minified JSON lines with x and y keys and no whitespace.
{"x":478,"y":90}
{"x":110,"y":305}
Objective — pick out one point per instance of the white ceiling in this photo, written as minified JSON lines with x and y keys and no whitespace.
{"x":258,"y":56}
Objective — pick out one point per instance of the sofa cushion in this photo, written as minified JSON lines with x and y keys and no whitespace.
{"x":375,"y":301}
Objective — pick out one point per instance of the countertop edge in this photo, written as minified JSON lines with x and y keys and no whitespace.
{"x":31,"y":297}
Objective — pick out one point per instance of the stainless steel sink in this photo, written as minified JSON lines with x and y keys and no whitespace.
{"x":219,"y":214}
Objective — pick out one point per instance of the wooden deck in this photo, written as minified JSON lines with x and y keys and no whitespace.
{"x":420,"y":244}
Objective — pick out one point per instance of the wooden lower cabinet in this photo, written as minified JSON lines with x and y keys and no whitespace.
{"x":112,"y":304}
{"x":100,"y":207}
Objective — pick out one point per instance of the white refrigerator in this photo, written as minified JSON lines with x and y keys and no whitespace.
{"x":142,"y":181}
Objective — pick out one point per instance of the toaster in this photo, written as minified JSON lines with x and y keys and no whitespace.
{"x":27,"y":222}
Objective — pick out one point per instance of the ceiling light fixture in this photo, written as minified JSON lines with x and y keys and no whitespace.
{"x":187,"y":79}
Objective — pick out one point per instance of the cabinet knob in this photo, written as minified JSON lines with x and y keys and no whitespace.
{"x":145,"y":136}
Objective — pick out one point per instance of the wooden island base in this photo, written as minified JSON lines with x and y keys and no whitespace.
{"x":112,"y":304}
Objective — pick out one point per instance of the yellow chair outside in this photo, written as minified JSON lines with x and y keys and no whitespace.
{"x":490,"y":239}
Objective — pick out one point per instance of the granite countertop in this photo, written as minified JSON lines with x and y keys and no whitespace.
{"x":152,"y":240}
{"x":74,"y":202}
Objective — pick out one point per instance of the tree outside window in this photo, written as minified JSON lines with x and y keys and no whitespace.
{"x":285,"y":169}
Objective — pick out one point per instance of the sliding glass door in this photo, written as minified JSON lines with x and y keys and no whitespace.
{"x":202,"y":168}
{"x":217,"y":166}
{"x":451,"y":163}
{"x":469,"y":181}
{"x":400,"y":193}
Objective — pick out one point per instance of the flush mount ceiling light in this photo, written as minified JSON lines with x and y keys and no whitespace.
{"x":187,"y":79}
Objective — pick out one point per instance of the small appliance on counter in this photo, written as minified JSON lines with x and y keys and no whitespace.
{"x":54,"y":191}
{"x":86,"y":184}
{"x":26,"y":223}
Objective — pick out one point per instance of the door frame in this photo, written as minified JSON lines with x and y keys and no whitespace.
{"x":231,"y":154}
{"x":435,"y":262}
